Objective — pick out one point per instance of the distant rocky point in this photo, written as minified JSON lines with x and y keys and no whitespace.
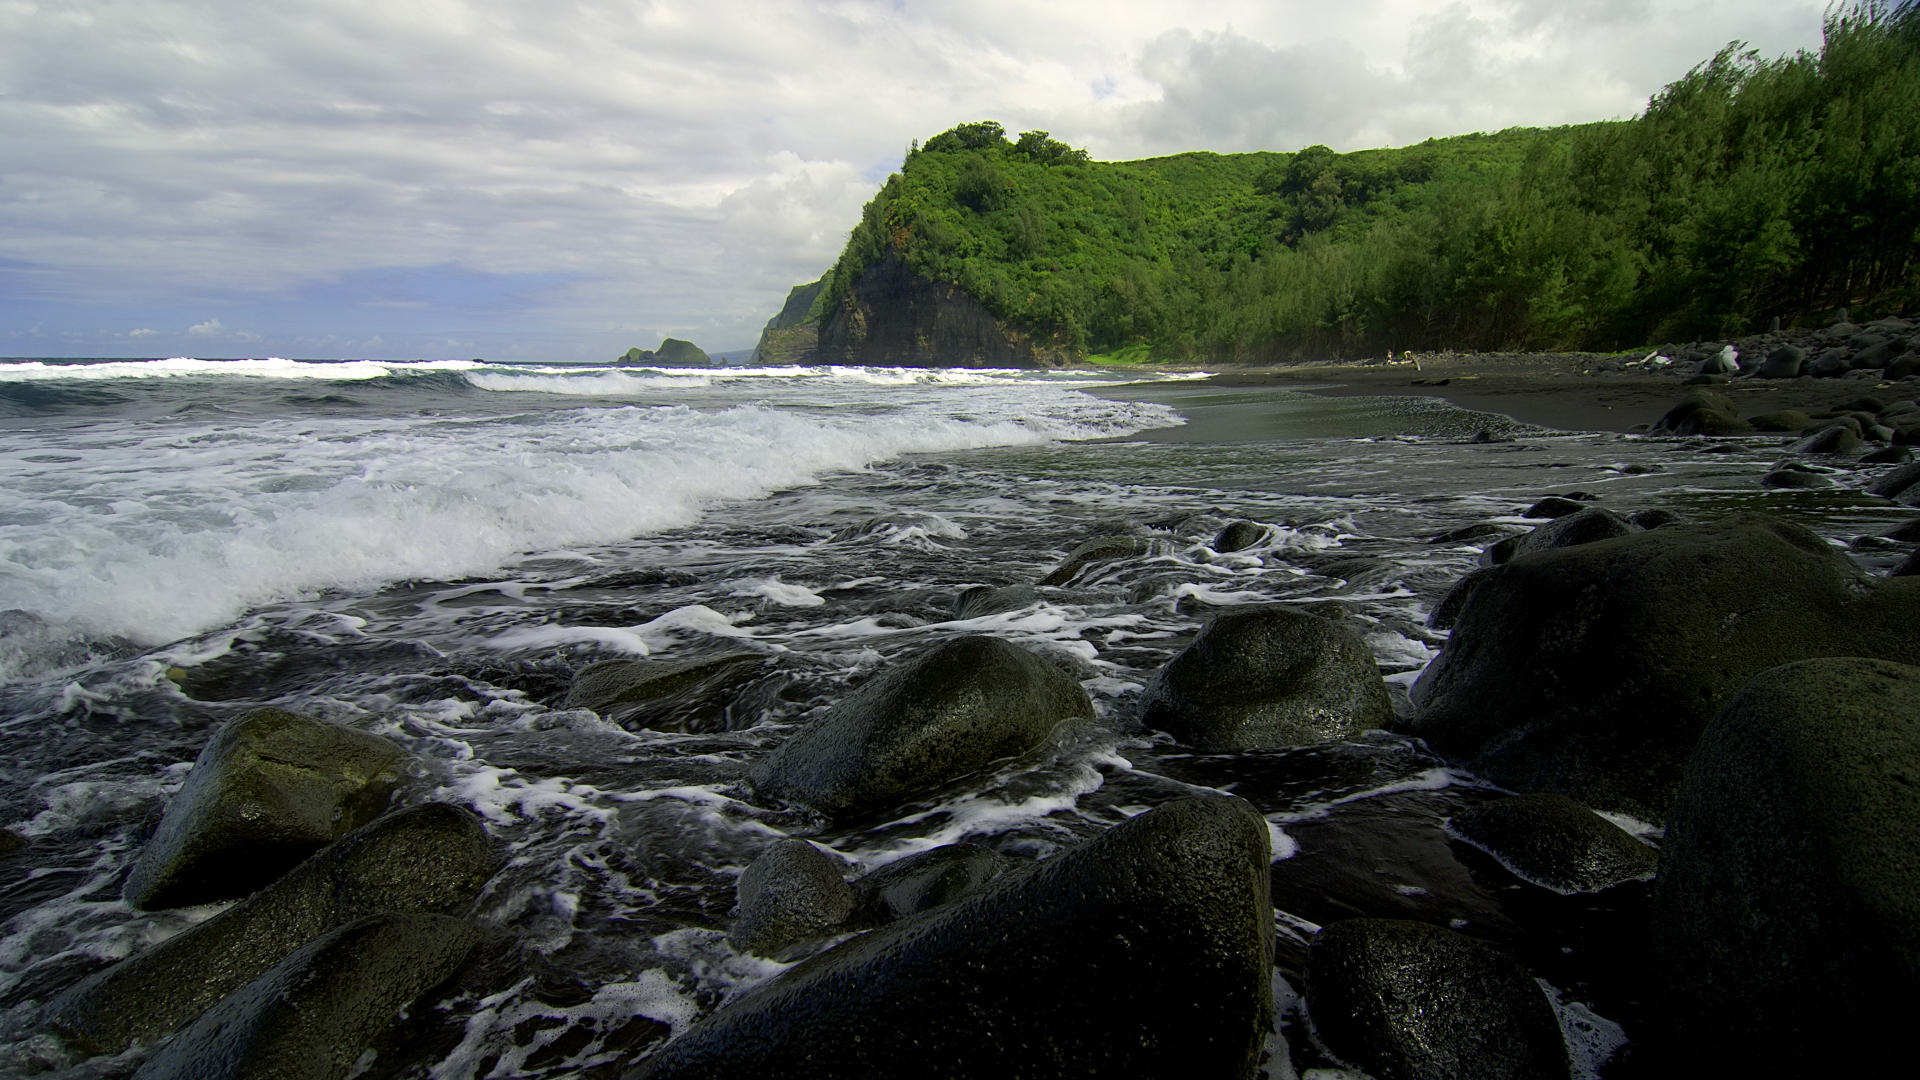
{"x":672,"y":353}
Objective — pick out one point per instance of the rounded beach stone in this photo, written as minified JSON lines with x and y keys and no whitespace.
{"x":1702,"y":412}
{"x":927,"y":880}
{"x":1410,"y":1001}
{"x":269,"y":789}
{"x":1831,"y":439}
{"x":1095,"y":552}
{"x":791,"y":895}
{"x":662,"y":695}
{"x":1784,"y":362}
{"x":1239,"y":536}
{"x":1556,"y":843}
{"x":1267,"y":677}
{"x":429,"y":859}
{"x":321,"y":1013}
{"x":1591,"y":670}
{"x":915,"y":728}
{"x":1145,"y":952}
{"x":1787,"y":910}
{"x":1584,"y":526}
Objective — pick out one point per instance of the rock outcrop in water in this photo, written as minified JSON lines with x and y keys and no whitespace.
{"x":911,"y":730}
{"x":1787,"y":914}
{"x":1556,"y":843}
{"x":1264,"y":678}
{"x":269,"y":789}
{"x":429,"y":859}
{"x":1591,"y":670}
{"x":321,"y":1012}
{"x":791,"y":895}
{"x":663,"y":695}
{"x":1145,"y":952}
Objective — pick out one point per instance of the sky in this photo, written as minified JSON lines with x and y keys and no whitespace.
{"x":558,"y":180}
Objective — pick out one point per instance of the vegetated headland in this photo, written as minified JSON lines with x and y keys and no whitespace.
{"x":1751,"y":189}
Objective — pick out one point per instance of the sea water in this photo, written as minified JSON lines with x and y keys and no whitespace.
{"x":431,"y":550}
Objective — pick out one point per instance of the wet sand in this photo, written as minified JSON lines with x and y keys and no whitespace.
{"x":1553,"y":391}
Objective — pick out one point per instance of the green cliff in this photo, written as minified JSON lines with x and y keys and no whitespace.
{"x":1749,"y":189}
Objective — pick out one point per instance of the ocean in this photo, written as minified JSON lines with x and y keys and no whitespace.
{"x":430,"y":550}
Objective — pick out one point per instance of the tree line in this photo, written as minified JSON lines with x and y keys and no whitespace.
{"x":1750,"y":189}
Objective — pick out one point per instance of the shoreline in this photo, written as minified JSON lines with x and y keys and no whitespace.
{"x":1547,"y":390}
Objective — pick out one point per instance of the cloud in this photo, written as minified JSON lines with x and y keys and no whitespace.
{"x":666,"y":166}
{"x":210,"y":328}
{"x":142,"y":332}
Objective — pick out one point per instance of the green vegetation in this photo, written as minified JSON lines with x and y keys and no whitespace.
{"x":1749,"y":189}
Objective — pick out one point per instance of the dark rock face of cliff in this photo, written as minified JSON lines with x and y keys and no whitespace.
{"x":893,"y":317}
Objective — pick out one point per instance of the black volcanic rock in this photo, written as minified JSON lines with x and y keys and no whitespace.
{"x":912,"y":729}
{"x":1591,"y":670}
{"x":1145,"y":953}
{"x":1267,"y":677}
{"x":1787,"y":910}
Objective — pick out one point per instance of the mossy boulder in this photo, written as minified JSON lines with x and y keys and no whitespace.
{"x":919,"y":726}
{"x":1145,"y":952}
{"x":268,"y":789}
{"x":430,"y":859}
{"x":1787,"y":910}
{"x":324,"y":1011}
{"x":1591,"y":670}
{"x":1702,"y":412}
{"x":1267,"y":677}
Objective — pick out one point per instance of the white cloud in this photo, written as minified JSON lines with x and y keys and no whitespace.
{"x":210,"y":328}
{"x":142,"y":332}
{"x":683,"y":163}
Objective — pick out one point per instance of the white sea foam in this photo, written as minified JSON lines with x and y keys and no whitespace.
{"x":155,"y":532}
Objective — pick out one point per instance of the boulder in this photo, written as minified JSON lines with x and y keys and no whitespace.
{"x":1785,"y":477}
{"x":1411,"y":1001}
{"x":1896,"y":482}
{"x":269,"y":789}
{"x":1145,"y":952}
{"x":429,"y":859}
{"x":1783,"y":420}
{"x":927,"y":880}
{"x":1701,"y":412}
{"x":1267,"y":677}
{"x":324,"y":1012}
{"x":663,"y":695}
{"x":792,"y":895}
{"x":1556,"y":843}
{"x":1888,"y":455}
{"x":1095,"y":552}
{"x":1582,"y":527}
{"x":1239,"y":536}
{"x":1553,"y":506}
{"x":1831,"y":363}
{"x":1787,"y":910}
{"x":912,"y":730}
{"x":982,"y":601}
{"x":1908,"y":568}
{"x":1784,"y":362}
{"x":1831,"y":439}
{"x":1724,"y":362}
{"x":1591,"y":670}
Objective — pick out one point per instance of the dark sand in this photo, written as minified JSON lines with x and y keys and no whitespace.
{"x":1550,"y":390}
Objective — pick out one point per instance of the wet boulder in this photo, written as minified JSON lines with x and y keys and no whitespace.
{"x":1831,"y":363}
{"x":917,"y":727}
{"x":1591,"y":670}
{"x":1556,"y":843}
{"x":1783,"y":420}
{"x":1583,"y":526}
{"x":1829,"y":439}
{"x":1145,"y":952}
{"x":1554,"y":506}
{"x":1411,"y":1001}
{"x":927,"y":880}
{"x":1896,"y":482}
{"x":983,"y":600}
{"x":1267,"y":677}
{"x":663,"y":695}
{"x":791,"y":895}
{"x":1239,"y":536}
{"x":430,"y":859}
{"x":324,"y":1012}
{"x":1099,"y":551}
{"x":1702,"y":412}
{"x":1787,"y":910}
{"x":269,"y":789}
{"x":1793,"y":475}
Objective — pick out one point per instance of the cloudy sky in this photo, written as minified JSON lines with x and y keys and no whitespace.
{"x":560,"y":179}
